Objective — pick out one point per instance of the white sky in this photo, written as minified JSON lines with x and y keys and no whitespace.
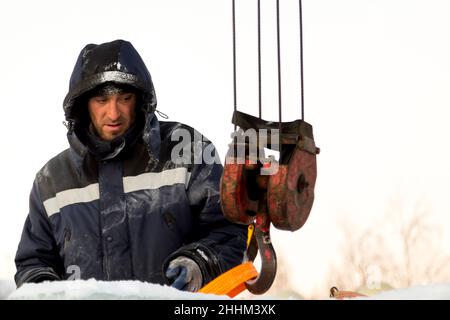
{"x":377,"y":75}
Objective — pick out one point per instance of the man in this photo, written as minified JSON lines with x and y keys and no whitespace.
{"x":116,"y":205}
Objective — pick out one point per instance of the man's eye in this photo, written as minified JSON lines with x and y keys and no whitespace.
{"x":126,"y":97}
{"x":100,"y":100}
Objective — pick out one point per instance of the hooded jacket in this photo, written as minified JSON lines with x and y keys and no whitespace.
{"x":124,"y":217}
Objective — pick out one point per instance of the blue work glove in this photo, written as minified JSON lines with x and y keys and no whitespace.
{"x":185,"y":273}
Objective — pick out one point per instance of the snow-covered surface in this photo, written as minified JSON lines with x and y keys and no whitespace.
{"x":6,"y":287}
{"x":424,"y":292}
{"x":103,"y":290}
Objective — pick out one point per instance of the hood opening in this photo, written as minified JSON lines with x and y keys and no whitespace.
{"x":117,"y":62}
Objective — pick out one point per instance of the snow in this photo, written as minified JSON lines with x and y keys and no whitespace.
{"x":103,"y":290}
{"x":422,"y":292}
{"x":134,"y":290}
{"x":6,"y":287}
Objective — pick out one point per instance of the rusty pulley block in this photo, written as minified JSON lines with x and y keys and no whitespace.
{"x":261,"y":190}
{"x":288,"y":184}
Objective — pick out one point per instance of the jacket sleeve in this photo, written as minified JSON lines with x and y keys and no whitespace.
{"x":219,"y":245}
{"x":36,"y":258}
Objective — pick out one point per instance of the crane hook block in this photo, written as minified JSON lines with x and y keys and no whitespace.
{"x":251,"y":183}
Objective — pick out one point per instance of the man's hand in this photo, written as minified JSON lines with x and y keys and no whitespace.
{"x":185,"y":274}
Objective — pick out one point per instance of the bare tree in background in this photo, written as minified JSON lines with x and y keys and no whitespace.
{"x":282,"y":286}
{"x":401,"y":250}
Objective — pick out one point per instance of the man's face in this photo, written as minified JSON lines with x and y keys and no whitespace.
{"x":113,"y":114}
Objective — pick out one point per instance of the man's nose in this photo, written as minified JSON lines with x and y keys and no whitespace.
{"x":113,"y":111}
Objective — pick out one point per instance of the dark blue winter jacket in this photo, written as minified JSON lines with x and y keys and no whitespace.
{"x":125,"y":215}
